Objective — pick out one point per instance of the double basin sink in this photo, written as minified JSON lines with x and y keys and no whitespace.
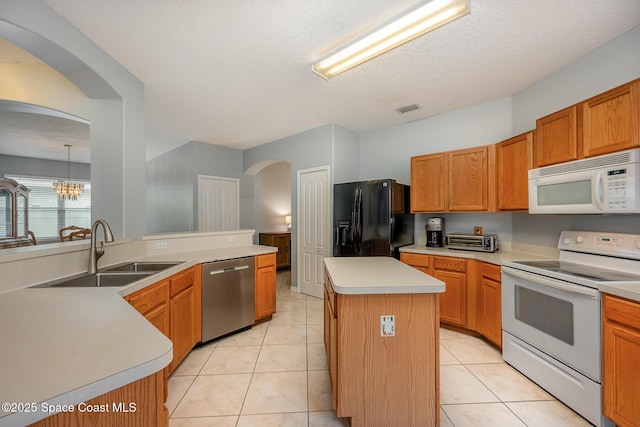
{"x":118,"y":275}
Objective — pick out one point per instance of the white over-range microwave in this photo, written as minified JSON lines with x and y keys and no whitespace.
{"x":598,"y":185}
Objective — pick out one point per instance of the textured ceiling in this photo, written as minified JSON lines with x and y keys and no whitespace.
{"x":237,"y":73}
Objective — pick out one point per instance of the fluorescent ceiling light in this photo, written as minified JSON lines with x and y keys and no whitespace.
{"x":415,"y":23}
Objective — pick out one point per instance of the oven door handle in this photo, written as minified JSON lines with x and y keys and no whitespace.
{"x":552,"y":283}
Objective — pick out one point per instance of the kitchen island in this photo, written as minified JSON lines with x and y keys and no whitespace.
{"x":382,"y":340}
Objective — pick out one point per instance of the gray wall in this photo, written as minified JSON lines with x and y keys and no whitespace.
{"x":272,"y":197}
{"x":386,"y":152}
{"x":172,"y":183}
{"x":15,"y":165}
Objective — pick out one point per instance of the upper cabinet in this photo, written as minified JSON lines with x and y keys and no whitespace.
{"x":557,"y":138}
{"x":455,"y":181}
{"x":513,"y":161}
{"x":610,"y":120}
{"x":468,"y":179}
{"x":428,"y":182}
{"x":604,"y":124}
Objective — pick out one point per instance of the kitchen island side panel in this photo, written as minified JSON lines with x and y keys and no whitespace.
{"x":390,"y":380}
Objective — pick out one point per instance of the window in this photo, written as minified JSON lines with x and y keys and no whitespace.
{"x":48,"y":213}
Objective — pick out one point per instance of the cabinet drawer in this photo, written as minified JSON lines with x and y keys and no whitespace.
{"x":265,"y":260}
{"x":418,"y":260}
{"x":621,"y":310}
{"x":491,"y":271}
{"x":181,"y":281}
{"x":451,"y":264}
{"x":146,"y":299}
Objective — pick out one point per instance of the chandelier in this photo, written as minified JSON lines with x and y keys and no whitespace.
{"x":68,"y":190}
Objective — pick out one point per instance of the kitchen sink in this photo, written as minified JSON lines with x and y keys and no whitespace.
{"x":152,"y":267}
{"x":98,"y":280}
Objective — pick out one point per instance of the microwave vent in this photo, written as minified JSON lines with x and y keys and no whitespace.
{"x":622,"y":157}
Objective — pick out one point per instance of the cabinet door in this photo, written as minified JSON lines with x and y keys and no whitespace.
{"x":331,"y":346}
{"x":611,"y":120}
{"x":265,"y":283}
{"x":514,"y":159}
{"x":181,"y":325}
{"x":468,"y":179}
{"x":428,"y":180}
{"x":490,"y":324}
{"x":621,"y":358}
{"x":556,"y":138}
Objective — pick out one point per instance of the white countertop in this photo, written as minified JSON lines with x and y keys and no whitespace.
{"x":69,"y":345}
{"x":625,"y":290}
{"x":497,"y":257}
{"x":378,"y":275}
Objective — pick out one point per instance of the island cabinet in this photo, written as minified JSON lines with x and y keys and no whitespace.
{"x":454,"y":181}
{"x":514,"y":158}
{"x":382,"y":347}
{"x":621,"y":358}
{"x":265,"y":286}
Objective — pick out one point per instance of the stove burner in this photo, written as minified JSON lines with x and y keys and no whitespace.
{"x":582,"y":270}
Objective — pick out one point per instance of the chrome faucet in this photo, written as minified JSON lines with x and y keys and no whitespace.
{"x":95,"y":253}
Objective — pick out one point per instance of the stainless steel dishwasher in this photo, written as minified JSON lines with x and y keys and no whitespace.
{"x":228,"y":297}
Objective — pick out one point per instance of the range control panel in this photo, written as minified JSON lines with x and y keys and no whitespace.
{"x":602,"y":243}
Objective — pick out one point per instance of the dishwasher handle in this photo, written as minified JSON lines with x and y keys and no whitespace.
{"x":229,"y":269}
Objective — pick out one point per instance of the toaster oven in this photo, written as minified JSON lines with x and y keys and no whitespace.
{"x":470,"y":242}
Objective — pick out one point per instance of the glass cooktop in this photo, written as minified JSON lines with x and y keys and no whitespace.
{"x":583,"y":271}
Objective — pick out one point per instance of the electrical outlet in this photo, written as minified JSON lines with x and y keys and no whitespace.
{"x":477,"y":230}
{"x":231,"y":239}
{"x":161,"y":245}
{"x":387,"y":326}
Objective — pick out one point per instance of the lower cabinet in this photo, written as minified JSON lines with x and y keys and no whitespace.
{"x":453,"y":301}
{"x":265,"y":284}
{"x":621,"y":358}
{"x":472,"y":299}
{"x":489,"y":307}
{"x":173,"y":305}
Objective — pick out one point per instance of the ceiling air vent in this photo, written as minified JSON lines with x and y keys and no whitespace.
{"x":407,"y":108}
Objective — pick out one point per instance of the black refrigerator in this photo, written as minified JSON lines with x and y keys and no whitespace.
{"x":371,"y":218}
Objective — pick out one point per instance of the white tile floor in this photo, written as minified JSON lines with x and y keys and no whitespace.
{"x":276,"y":375}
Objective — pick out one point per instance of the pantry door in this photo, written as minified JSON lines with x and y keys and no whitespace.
{"x":314,"y":220}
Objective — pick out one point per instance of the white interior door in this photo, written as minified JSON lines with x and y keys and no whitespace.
{"x":314,"y":195}
{"x":218,"y":201}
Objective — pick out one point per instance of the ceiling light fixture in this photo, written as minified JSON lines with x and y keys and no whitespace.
{"x":407,"y":27}
{"x":68,"y":190}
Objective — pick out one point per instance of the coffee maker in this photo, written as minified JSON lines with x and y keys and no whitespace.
{"x":435,"y":232}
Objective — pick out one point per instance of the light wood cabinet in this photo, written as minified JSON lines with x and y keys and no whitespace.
{"x":514,"y":158}
{"x":557,"y":138}
{"x":454,"y":181}
{"x":383,"y":381}
{"x":453,"y":301}
{"x":173,"y":305}
{"x":428,"y":183}
{"x":185,"y":313}
{"x":468,"y":179}
{"x":489,"y":306}
{"x":621,"y":358}
{"x":282,"y":241}
{"x":265,"y":285}
{"x":139,"y":402}
{"x":417,"y":261}
{"x":610,"y":121}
